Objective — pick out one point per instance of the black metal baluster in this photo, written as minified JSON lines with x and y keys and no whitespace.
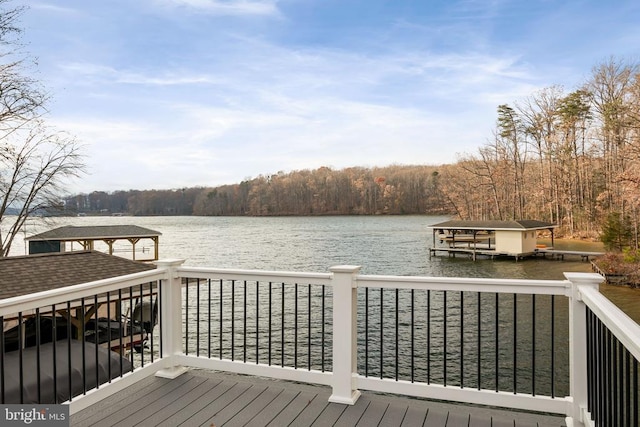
{"x":444,"y":333}
{"x":161,"y":321}
{"x":461,"y":339}
{"x":366,"y":332}
{"x":553,"y":346}
{"x":270,"y":320}
{"x":38,"y":378}
{"x":69,"y":382}
{"x":154,"y":317}
{"x":601,"y":379}
{"x":257,"y":322}
{"x":533,"y":344}
{"x":295,"y":326}
{"x":627,"y":388}
{"x":244,"y":324}
{"x":309,"y":326}
{"x":412,"y":334}
{"x":83,"y":331}
{"x":428,"y":336}
{"x":21,"y":344}
{"x":209,"y":334}
{"x":108,"y":333}
{"x":282,"y":329}
{"x":233,"y":320}
{"x":198,"y":317}
{"x":221,"y":319}
{"x":397,"y":330}
{"x":130,"y":324}
{"x":323,"y":306}
{"x":54,"y":338}
{"x":635,"y":392}
{"x":497,"y":324}
{"x":618,"y":398}
{"x":121,"y":330}
{"x":381,"y":333}
{"x":479,"y":361}
{"x":96,"y":340}
{"x":515,"y":343}
{"x":608,"y":364}
{"x":186,"y":317}
{"x":141,"y":325}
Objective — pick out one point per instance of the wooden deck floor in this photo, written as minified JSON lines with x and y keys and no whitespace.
{"x":205,"y":398}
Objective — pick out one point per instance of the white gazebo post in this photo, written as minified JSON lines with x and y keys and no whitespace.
{"x":171,"y":318}
{"x":345,"y":329}
{"x":578,"y":373}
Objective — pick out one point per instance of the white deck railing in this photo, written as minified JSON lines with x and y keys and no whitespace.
{"x":343,"y":353}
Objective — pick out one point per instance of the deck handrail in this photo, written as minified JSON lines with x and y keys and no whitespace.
{"x":55,"y":296}
{"x":258,"y":275}
{"x":514,"y":286}
{"x":623,"y":327}
{"x":581,"y":289}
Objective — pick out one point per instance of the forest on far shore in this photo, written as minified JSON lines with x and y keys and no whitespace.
{"x":571,"y":158}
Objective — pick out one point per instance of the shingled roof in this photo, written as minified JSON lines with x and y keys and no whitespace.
{"x":35,"y":273}
{"x":95,"y":232}
{"x":524,"y":224}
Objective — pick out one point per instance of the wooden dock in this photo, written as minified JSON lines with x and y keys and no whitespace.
{"x":473,"y":253}
{"x":560,"y":254}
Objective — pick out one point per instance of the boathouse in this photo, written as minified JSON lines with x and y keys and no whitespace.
{"x":55,"y":240}
{"x":517,"y":238}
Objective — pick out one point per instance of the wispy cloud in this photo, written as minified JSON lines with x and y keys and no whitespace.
{"x":227,"y":7}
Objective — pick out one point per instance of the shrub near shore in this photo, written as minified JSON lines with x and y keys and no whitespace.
{"x":621,"y":267}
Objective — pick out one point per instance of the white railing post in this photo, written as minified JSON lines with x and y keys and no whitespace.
{"x":171,"y":318}
{"x":345,"y":329}
{"x":578,"y":346}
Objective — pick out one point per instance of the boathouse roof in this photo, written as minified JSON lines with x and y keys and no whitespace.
{"x":95,"y":232}
{"x":28,"y":274}
{"x":492,"y":225}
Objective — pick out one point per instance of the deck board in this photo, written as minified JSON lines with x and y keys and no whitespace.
{"x":206,"y":398}
{"x":208,"y":412}
{"x":414,"y":417}
{"x":292,"y":411}
{"x":273,"y":409}
{"x":393,"y":416}
{"x":196,"y":405}
{"x":353,"y":413}
{"x":374,"y":413}
{"x":330,"y":415}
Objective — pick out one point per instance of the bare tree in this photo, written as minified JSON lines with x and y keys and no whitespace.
{"x":35,"y":160}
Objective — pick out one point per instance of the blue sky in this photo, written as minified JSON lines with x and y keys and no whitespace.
{"x":176,"y":93}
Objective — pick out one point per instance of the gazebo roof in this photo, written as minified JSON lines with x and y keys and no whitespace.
{"x":23,"y":275}
{"x":519,"y":225}
{"x":96,"y":232}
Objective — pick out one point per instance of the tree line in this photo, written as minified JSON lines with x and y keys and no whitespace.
{"x":571,"y":158}
{"x":323,"y":191}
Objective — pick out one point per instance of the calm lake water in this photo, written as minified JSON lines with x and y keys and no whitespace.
{"x":397,"y":245}
{"x":392,"y":245}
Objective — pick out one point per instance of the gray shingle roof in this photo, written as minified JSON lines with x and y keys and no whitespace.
{"x":524,"y":224}
{"x":35,"y":273}
{"x":71,"y":232}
